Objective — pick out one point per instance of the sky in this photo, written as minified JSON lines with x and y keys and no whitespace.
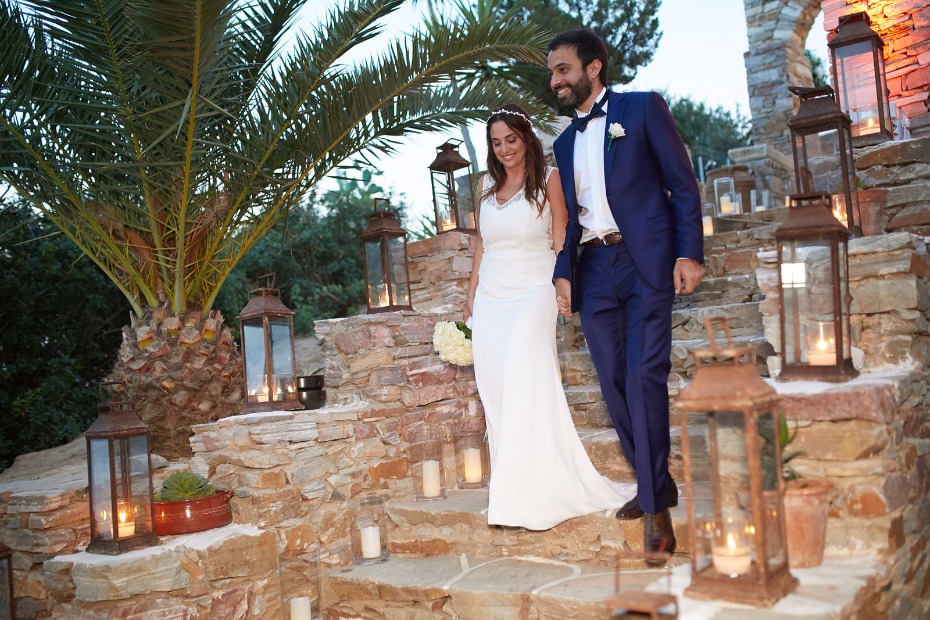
{"x":700,"y":56}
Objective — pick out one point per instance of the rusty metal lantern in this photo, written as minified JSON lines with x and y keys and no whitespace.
{"x":823,"y":159}
{"x":453,"y":194}
{"x":384,"y":251}
{"x":119,"y":475}
{"x":7,"y":600}
{"x":267,"y":332}
{"x":813,"y":279}
{"x":733,"y":480}
{"x":858,"y":67}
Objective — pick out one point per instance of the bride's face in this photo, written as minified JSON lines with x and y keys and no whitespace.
{"x":508,"y":146}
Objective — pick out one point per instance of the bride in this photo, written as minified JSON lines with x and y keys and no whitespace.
{"x":540,"y":472}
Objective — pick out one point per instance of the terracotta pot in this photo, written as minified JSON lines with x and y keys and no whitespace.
{"x":872,"y":203}
{"x":807,"y":503}
{"x":193,"y":515}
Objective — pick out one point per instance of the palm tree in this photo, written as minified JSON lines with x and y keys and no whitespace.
{"x":165,"y":137}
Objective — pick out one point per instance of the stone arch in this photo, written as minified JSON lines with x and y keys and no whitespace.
{"x":777,"y":34}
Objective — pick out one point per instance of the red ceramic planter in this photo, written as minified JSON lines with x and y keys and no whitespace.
{"x":193,"y":515}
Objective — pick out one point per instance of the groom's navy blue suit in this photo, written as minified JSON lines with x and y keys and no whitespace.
{"x":624,"y":292}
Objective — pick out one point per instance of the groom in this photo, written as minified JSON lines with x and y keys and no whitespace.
{"x":634,"y":213}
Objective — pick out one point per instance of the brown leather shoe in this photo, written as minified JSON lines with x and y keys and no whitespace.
{"x":658,"y":534}
{"x":631,"y":509}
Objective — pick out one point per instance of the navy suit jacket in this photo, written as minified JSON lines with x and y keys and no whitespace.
{"x":651,"y":190}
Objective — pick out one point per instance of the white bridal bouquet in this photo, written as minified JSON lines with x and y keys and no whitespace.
{"x":453,"y":342}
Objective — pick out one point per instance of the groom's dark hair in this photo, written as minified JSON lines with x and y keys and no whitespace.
{"x":587,"y":45}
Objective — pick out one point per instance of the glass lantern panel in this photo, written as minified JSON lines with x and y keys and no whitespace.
{"x":282,"y":357}
{"x":844,"y":307}
{"x":857,"y":92}
{"x":464,"y":200}
{"x":443,"y":197}
{"x":821,"y":169}
{"x":772,"y":513}
{"x":400,"y":288}
{"x":253,"y":348}
{"x":101,"y":488}
{"x":140,"y":483}
{"x":374,"y":268}
{"x":807,"y":291}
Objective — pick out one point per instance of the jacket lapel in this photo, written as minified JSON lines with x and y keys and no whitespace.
{"x":615,"y":104}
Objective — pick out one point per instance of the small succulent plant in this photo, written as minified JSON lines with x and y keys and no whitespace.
{"x":184,"y":485}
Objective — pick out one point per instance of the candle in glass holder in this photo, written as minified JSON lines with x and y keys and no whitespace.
{"x":726,"y":207}
{"x":127,"y":526}
{"x":708,"y":225}
{"x":472,"y":462}
{"x":300,"y":608}
{"x":821,"y":346}
{"x":432,"y":486}
{"x":371,"y":541}
{"x":733,"y":558}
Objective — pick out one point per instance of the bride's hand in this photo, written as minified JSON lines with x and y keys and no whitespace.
{"x":467,"y":314}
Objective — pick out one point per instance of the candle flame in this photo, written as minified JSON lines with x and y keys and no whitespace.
{"x":122,"y":516}
{"x":731,"y":542}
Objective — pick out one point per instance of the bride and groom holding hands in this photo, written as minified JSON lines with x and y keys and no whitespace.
{"x":614,"y":233}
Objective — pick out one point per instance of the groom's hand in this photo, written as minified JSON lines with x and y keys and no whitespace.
{"x":563,"y":296}
{"x":688,"y":274}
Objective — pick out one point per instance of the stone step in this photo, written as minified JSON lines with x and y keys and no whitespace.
{"x":683,"y":366}
{"x":458,"y":525}
{"x":744,"y":319}
{"x":722,"y":290}
{"x":476,"y":588}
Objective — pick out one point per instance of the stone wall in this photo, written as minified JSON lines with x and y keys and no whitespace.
{"x":440,"y":268}
{"x":902,"y":170}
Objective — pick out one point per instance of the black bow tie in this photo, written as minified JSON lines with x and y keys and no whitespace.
{"x":580,"y":123}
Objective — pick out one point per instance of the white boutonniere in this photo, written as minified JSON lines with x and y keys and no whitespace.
{"x":615,"y":130}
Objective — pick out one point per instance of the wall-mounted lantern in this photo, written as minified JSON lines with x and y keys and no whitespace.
{"x":858,"y":67}
{"x":267,"y":332}
{"x":823,"y":160}
{"x":453,"y":194}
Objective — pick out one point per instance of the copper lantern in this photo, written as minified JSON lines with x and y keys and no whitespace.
{"x":858,"y":66}
{"x":813,"y":281}
{"x":119,"y":469}
{"x":453,"y":194}
{"x":384,"y":248}
{"x":267,"y":334}
{"x":823,"y":160}
{"x":733,"y":480}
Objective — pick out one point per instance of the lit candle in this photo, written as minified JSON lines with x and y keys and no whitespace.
{"x":823,"y":351}
{"x":262,"y":394}
{"x":126,"y":527}
{"x":870,"y":126}
{"x":732,"y":559}
{"x":371,"y":542}
{"x":383,"y":299}
{"x":726,"y":207}
{"x":708,"y":225}
{"x":472,"y":458}
{"x":839,"y":209}
{"x":448,"y":223}
{"x":300,"y":608}
{"x":432,"y":486}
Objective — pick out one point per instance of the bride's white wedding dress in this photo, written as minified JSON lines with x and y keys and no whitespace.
{"x":540,"y":472}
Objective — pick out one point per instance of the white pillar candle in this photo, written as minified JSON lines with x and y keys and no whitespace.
{"x":472,"y":461}
{"x":127,"y":527}
{"x":300,"y":608}
{"x":432,"y":485}
{"x":733,"y":558}
{"x":708,"y":225}
{"x":726,"y":208}
{"x":371,"y":542}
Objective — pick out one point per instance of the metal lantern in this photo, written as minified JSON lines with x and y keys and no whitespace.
{"x":823,"y":161}
{"x":453,"y":194}
{"x":267,"y":335}
{"x":7,"y":601}
{"x":384,"y":247}
{"x":119,"y":474}
{"x":813,"y":279}
{"x":858,"y":66}
{"x":733,"y":480}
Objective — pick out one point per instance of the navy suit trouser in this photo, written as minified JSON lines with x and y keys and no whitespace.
{"x":628,"y":327}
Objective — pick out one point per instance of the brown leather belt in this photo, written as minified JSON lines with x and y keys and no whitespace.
{"x":609,"y":239}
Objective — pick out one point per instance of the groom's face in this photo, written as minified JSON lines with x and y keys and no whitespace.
{"x":568,"y":79}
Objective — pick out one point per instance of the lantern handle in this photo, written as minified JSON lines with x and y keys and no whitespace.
{"x":269,"y":279}
{"x":711,"y":332}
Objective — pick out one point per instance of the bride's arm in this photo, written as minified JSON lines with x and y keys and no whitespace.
{"x":558,"y":210}
{"x":476,"y":259}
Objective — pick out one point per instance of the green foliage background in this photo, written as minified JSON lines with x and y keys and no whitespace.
{"x":60,"y":325}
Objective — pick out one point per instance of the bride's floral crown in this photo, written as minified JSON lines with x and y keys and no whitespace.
{"x":506,"y":111}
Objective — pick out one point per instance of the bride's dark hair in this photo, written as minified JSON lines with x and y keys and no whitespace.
{"x":535,"y":177}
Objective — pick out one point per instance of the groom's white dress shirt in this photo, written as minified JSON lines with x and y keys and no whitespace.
{"x":590,"y":187}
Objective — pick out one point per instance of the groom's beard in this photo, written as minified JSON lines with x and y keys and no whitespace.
{"x":577,"y":94}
